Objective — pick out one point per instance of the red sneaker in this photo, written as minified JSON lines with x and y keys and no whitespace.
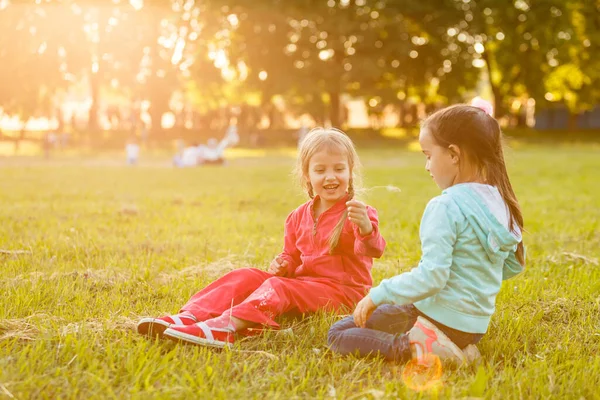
{"x":156,"y":326}
{"x":202,"y":334}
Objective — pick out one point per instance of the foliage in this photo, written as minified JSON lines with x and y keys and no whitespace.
{"x":246,"y":53}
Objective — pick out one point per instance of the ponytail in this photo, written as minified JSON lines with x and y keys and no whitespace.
{"x":497,"y":175}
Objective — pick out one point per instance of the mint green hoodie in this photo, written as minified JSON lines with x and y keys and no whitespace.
{"x":468,"y":251}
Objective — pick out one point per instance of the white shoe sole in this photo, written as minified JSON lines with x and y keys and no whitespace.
{"x":449,"y":343}
{"x":185,"y":337}
{"x":472,"y":354}
{"x":152,"y":326}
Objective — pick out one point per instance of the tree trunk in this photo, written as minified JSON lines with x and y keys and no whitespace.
{"x":499,"y":110}
{"x":242,"y":118}
{"x":335,"y":90}
{"x":498,"y":96}
{"x":400,"y":109}
{"x":92,"y":125}
{"x":572,"y":123}
{"x":157,"y":91}
{"x":522,"y":117}
{"x":156,"y":112}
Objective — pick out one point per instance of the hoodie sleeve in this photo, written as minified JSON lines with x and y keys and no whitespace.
{"x":373,"y":244}
{"x":438,"y":235}
{"x":290,"y":252}
{"x":512,"y":266}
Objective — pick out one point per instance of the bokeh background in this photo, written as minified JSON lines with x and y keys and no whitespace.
{"x":94,"y":73}
{"x":90,"y":243}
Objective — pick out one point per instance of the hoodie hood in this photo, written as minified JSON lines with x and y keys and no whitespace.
{"x":493,"y":235}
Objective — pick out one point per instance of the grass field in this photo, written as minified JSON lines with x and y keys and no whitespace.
{"x":107,"y":244}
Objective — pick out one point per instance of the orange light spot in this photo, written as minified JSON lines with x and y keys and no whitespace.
{"x":423,"y":374}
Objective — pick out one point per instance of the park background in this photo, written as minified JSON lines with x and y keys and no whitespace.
{"x":88,"y":244}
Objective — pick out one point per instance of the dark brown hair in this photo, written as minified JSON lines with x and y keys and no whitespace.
{"x":479,"y":138}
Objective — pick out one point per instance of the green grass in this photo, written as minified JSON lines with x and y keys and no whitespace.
{"x":110,"y":244}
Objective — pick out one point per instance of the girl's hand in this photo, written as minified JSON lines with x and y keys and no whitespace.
{"x":363,"y":311}
{"x":278,"y":266}
{"x":357,"y":214}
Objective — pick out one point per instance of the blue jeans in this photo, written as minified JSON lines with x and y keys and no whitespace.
{"x":386,"y":334}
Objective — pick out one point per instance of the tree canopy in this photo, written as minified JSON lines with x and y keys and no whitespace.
{"x":215,"y":54}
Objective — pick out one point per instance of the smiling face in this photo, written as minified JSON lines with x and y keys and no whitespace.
{"x":441,"y":164}
{"x":329,"y":175}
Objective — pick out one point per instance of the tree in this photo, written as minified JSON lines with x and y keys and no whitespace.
{"x":316,"y":50}
{"x":516,"y":44}
{"x":29,"y":61}
{"x":574,"y":76}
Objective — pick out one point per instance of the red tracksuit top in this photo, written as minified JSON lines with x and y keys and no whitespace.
{"x":306,"y":246}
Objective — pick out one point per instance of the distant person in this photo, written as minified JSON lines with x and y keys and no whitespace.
{"x":145,"y":132}
{"x":190,"y":156}
{"x":232,"y":137}
{"x":213,"y":153}
{"x":323,"y":266}
{"x":20,"y":138}
{"x":132,"y":151}
{"x":61,"y":131}
{"x":52,"y":139}
{"x":178,"y":157}
{"x":47,"y":145}
{"x":471,"y":240}
{"x":63,"y":139}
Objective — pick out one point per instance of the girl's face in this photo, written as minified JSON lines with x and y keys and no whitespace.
{"x":442,"y":164}
{"x":329,"y":174}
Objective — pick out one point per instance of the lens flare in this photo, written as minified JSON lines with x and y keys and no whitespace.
{"x":423,"y":374}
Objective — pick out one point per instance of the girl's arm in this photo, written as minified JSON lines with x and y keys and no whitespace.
{"x":290,"y":252}
{"x":373,"y":244}
{"x":438,"y":236}
{"x":511,"y":267}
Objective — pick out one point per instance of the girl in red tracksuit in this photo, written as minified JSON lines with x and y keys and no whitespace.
{"x":330,"y":242}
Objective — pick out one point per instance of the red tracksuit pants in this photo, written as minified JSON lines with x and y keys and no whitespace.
{"x":258,"y":296}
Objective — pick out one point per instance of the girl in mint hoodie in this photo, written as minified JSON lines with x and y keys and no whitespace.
{"x":471,"y":242}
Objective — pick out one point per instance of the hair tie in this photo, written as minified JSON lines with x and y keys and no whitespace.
{"x":485,"y":105}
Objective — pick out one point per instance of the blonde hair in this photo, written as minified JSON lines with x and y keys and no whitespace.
{"x":328,"y":139}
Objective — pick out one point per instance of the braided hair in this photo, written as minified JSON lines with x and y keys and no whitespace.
{"x":334,"y":139}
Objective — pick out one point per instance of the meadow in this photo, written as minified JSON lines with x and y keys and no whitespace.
{"x":89,"y":247}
